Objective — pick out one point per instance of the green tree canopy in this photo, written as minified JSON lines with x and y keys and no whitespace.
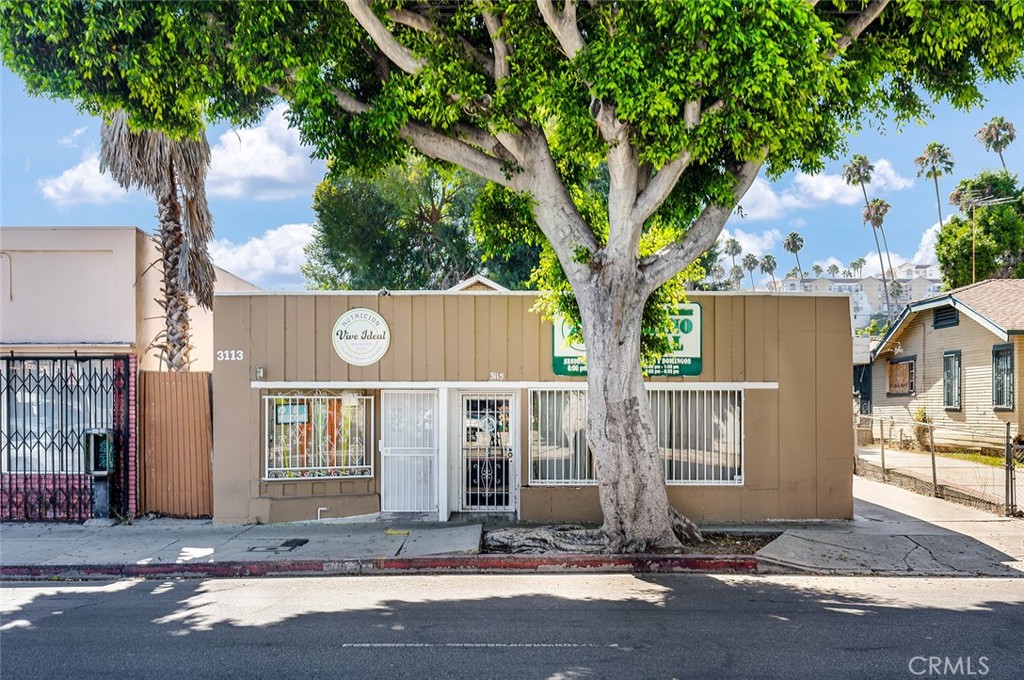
{"x":409,"y":227}
{"x":990,"y":235}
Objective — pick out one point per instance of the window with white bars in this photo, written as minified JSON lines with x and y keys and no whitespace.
{"x":319,"y":434}
{"x":699,"y":434}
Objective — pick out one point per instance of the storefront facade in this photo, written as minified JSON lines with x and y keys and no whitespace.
{"x":428,"y":404}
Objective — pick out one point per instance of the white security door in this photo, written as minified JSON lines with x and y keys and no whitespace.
{"x":408,"y":448}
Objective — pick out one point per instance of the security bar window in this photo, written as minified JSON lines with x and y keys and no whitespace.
{"x":699,"y":434}
{"x":1002,"y":377}
{"x":318,"y":435}
{"x":951,"y":380}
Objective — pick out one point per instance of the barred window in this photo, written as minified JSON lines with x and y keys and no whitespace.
{"x":319,"y":434}
{"x":699,"y":434}
{"x":1002,"y":377}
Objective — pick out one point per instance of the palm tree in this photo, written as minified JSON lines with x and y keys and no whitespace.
{"x":833,"y":270}
{"x":818,"y":271}
{"x":768,"y":266}
{"x":996,"y":135}
{"x":717,"y":272}
{"x":736,"y":276}
{"x":935,"y":162}
{"x":732,"y":249}
{"x":174,"y":172}
{"x":858,"y":173}
{"x":792,"y":244}
{"x":793,"y":273}
{"x":858,"y":265}
{"x":750,"y":263}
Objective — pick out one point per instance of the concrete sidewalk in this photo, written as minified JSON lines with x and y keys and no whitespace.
{"x":895,"y":532}
{"x":898,"y":532}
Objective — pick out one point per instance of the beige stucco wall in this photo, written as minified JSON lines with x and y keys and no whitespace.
{"x":67,"y":286}
{"x":798,"y":439}
{"x":927,"y":344}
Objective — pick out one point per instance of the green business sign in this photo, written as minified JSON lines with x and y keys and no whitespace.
{"x":570,"y":358}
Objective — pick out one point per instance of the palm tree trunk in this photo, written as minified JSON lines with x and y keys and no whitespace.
{"x":881,"y":264}
{"x":1000,"y":152}
{"x":751,"y":272}
{"x":938,"y":200}
{"x":175,"y":304}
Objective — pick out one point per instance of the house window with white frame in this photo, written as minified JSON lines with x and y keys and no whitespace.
{"x":951,"y":380}
{"x":1002,"y":377}
{"x":318,"y":434}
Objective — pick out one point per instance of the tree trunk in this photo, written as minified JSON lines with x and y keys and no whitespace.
{"x":177,"y":345}
{"x":620,"y":427}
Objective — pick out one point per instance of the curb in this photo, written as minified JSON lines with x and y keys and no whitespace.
{"x":446,"y":564}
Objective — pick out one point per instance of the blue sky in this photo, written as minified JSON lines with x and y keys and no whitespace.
{"x":261,"y":184}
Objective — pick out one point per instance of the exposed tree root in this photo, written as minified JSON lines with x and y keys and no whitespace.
{"x":572,"y":538}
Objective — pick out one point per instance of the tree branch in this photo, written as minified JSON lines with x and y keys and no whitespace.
{"x":501,"y":50}
{"x":855,"y":26}
{"x":670,"y":260}
{"x":398,"y":53}
{"x":423,"y":24}
{"x":442,"y":147}
{"x":563,"y":25}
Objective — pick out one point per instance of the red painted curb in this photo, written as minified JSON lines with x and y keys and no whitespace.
{"x":462,"y":564}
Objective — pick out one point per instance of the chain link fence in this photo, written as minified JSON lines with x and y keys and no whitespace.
{"x":982,"y":467}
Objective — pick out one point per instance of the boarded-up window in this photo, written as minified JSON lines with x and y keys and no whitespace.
{"x":901,"y":377}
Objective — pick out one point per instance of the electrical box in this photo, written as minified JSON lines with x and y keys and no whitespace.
{"x":99,"y":451}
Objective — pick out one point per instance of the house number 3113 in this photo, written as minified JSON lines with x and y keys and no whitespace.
{"x":230,"y":355}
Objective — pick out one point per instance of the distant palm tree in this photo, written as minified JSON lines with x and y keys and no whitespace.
{"x":768,"y":266}
{"x":793,"y":273}
{"x":858,"y":173}
{"x":896,"y":289}
{"x":792,"y":244}
{"x":750,"y":263}
{"x":996,"y":135}
{"x":174,"y":172}
{"x":936,"y":161}
{"x":817,"y":269}
{"x":847,"y":274}
{"x":732,"y":249}
{"x":736,"y":276}
{"x":858,"y":265}
{"x":833,"y":270}
{"x":717,"y":272}
{"x":874,"y":214}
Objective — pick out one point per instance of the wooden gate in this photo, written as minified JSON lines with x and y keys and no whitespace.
{"x":176,"y":443}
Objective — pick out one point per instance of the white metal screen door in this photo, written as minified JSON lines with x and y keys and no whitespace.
{"x":488,"y":459}
{"x":408,"y":451}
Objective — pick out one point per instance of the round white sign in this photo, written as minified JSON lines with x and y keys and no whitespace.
{"x":361,"y":337}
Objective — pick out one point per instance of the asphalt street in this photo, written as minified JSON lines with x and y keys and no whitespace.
{"x":523,"y":626}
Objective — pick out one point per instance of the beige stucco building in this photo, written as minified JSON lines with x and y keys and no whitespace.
{"x":434,"y":403}
{"x":78,"y":317}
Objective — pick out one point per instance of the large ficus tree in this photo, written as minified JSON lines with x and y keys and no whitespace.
{"x":685,"y":102}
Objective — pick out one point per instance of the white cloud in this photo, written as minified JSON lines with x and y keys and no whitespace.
{"x":271,"y":260}
{"x":926,"y":249}
{"x":68,"y":140}
{"x":83,"y":183}
{"x":263,"y":163}
{"x":761,"y":201}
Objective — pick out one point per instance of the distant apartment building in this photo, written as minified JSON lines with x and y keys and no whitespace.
{"x":867,"y":295}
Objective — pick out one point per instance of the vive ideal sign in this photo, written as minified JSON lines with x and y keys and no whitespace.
{"x":570,"y":358}
{"x":361,"y":336}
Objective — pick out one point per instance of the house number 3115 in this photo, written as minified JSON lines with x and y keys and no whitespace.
{"x":230,"y":355}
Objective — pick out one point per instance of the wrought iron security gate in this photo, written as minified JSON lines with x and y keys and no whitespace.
{"x":53,"y":411}
{"x":488,"y":461}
